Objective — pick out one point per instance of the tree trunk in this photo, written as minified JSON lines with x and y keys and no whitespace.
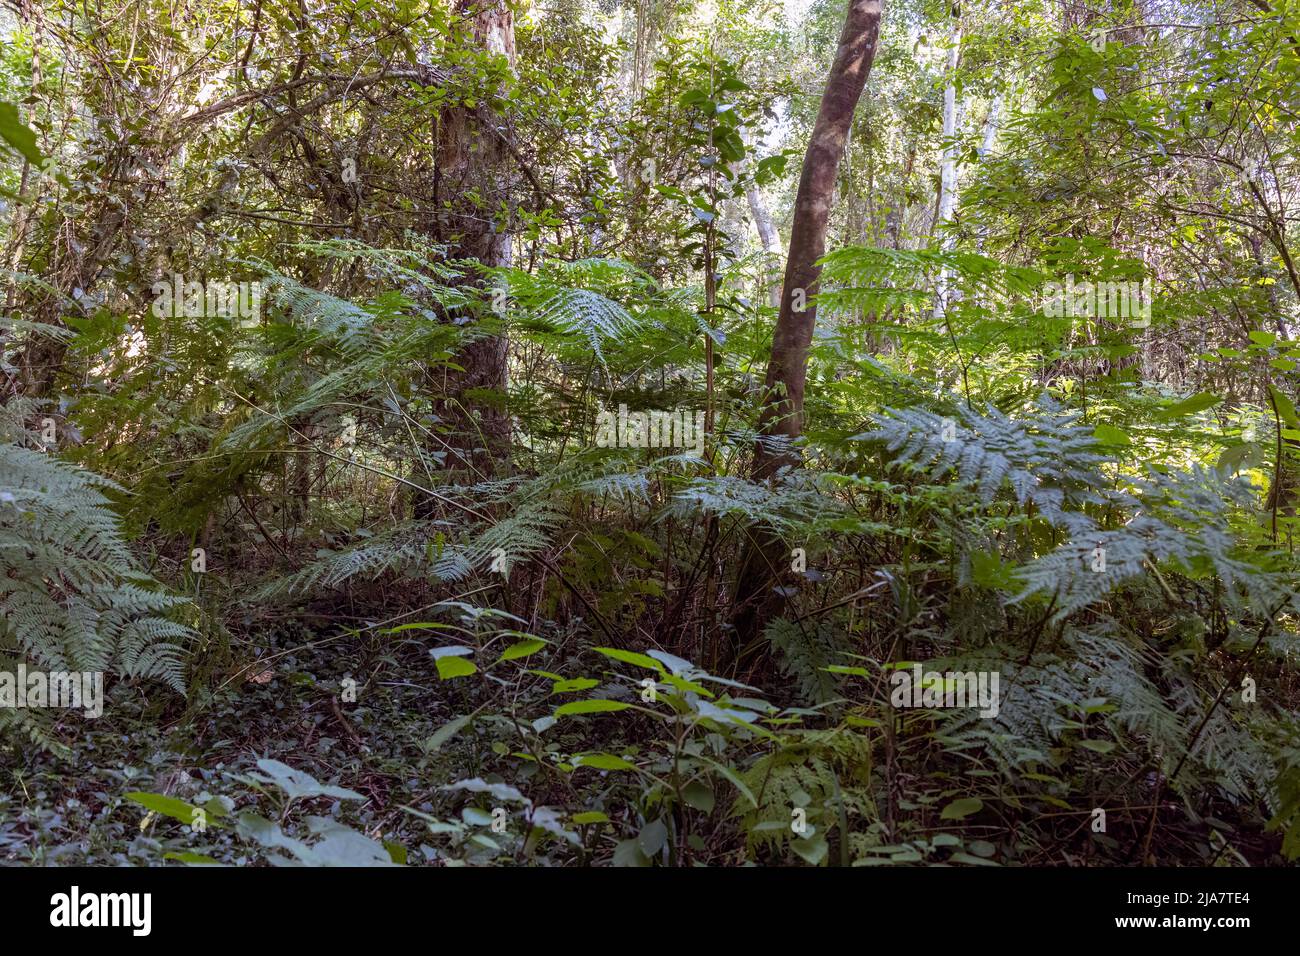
{"x":767,"y":235}
{"x":987,"y":143}
{"x":781,"y":418}
{"x":473,"y":159}
{"x":948,"y":170}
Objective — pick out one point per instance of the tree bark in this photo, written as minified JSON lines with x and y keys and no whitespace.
{"x":769,"y":239}
{"x":781,"y":417}
{"x":473,"y":159}
{"x":948,"y":170}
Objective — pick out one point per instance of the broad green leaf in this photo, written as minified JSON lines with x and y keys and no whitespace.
{"x":522,"y":649}
{"x":419,"y":626}
{"x":1285,"y":407}
{"x":299,"y":783}
{"x":970,"y":860}
{"x":194,"y":858}
{"x":1187,"y":406}
{"x":444,"y":733}
{"x":1110,"y":435}
{"x":590,"y":707}
{"x":811,"y":849}
{"x":576,"y":683}
{"x":699,"y":795}
{"x":500,"y":791}
{"x":628,"y":853}
{"x":630,"y":657}
{"x":652,"y":837}
{"x":18,"y":135}
{"x":1233,"y":457}
{"x":166,"y":806}
{"x":1100,"y":746}
{"x":450,"y":667}
{"x":961,"y":808}
{"x":603,"y":761}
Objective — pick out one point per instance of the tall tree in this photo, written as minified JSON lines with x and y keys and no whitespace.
{"x":947,"y":206}
{"x":471,"y":185}
{"x":781,"y":417}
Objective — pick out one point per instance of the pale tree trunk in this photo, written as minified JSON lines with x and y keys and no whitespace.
{"x":948,"y":168}
{"x":781,"y":418}
{"x":986,"y":149}
{"x":770,"y":242}
{"x":767,"y":234}
{"x":991,"y":128}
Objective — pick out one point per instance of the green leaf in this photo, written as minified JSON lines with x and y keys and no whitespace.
{"x":299,"y":783}
{"x":1100,"y":746}
{"x":811,"y":849}
{"x":1187,"y":406}
{"x":961,"y":808}
{"x":450,"y":729}
{"x":476,"y":816}
{"x":652,"y":837}
{"x":699,"y":795}
{"x":188,"y":857}
{"x":1110,"y":435}
{"x":165,"y":806}
{"x":630,"y":657}
{"x":603,"y":761}
{"x":590,"y":707}
{"x":970,"y":860}
{"x":575,"y":683}
{"x":628,"y":853}
{"x":419,"y":626}
{"x":18,"y":135}
{"x":522,"y":649}
{"x":1285,"y":407}
{"x":1235,"y":456}
{"x":589,"y":816}
{"x":855,"y":721}
{"x":450,"y":667}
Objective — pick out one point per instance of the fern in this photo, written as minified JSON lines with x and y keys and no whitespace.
{"x":70,"y":595}
{"x":1183,"y":521}
{"x":1048,"y":460}
{"x":580,"y":299}
{"x":806,"y":653}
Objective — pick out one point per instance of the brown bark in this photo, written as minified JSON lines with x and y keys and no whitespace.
{"x":473,"y":158}
{"x":782,"y":414}
{"x":781,"y":418}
